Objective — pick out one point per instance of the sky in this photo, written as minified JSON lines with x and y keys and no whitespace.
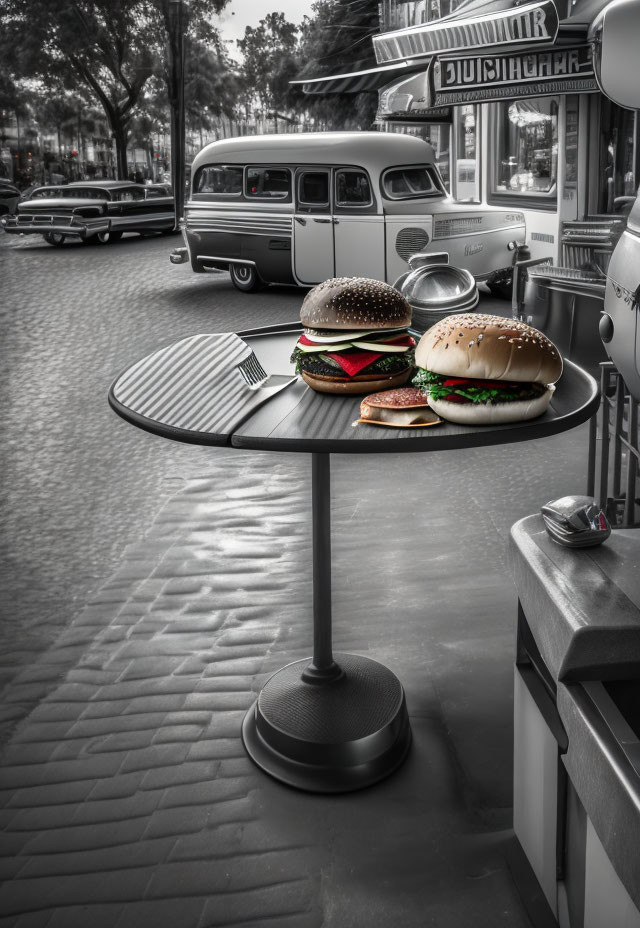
{"x":240,"y":13}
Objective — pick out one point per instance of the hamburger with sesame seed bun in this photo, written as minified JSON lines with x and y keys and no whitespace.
{"x":355,"y":337}
{"x":482,"y":370}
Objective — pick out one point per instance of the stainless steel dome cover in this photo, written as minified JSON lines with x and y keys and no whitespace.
{"x":620,"y":322}
{"x":438,"y":287}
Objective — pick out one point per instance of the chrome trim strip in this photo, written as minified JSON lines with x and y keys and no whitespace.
{"x":272,"y":233}
{"x":225,"y":260}
{"x":266,"y":221}
{"x":441,"y":238}
{"x":239,"y":207}
{"x":138,"y":220}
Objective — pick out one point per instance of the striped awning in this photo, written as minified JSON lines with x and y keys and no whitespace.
{"x":530,"y":24}
{"x":370,"y":79}
{"x":491,"y":24}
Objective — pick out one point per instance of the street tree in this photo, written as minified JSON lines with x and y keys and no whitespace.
{"x":212,"y":87}
{"x":269,"y":61}
{"x":336,"y":39}
{"x":106,"y":49}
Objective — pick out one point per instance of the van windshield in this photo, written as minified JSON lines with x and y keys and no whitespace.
{"x":407,"y":183}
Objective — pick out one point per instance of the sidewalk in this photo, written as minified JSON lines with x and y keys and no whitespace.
{"x":128,"y":799}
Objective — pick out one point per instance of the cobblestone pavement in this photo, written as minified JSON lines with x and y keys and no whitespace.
{"x":78,"y":483}
{"x":127,"y":798}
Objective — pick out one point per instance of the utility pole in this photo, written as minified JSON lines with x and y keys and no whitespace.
{"x":178,"y":19}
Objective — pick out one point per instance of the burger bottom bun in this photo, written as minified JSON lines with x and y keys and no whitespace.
{"x":492,"y":413}
{"x":355,"y":385}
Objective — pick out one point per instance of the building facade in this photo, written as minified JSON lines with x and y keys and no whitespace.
{"x":507,"y":94}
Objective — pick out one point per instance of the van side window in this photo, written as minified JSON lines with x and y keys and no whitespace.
{"x":313,"y":188}
{"x":264,"y":183}
{"x":219,"y":179}
{"x":352,"y":189}
{"x":405,"y":183}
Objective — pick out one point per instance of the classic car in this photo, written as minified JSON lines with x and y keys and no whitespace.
{"x":9,"y":197}
{"x":93,"y":211}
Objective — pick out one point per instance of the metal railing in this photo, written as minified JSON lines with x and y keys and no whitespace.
{"x":589,"y":243}
{"x":613,"y":474}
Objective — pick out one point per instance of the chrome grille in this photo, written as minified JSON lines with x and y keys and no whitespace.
{"x":410,"y":241}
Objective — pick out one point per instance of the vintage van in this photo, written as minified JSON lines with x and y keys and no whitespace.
{"x":299,"y":208}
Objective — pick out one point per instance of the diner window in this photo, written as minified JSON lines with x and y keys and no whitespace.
{"x":407,"y":183}
{"x":465,"y":134}
{"x":353,"y":189}
{"x":313,"y":189}
{"x":527,"y":148}
{"x":619,"y":158}
{"x":264,"y":183}
{"x":223,"y":180}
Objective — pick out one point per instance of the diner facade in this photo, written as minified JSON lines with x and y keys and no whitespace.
{"x":507,"y":95}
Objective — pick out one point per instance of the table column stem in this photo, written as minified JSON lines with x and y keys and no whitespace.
{"x":323,"y":667}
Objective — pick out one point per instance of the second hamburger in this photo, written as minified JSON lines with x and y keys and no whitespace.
{"x":480,"y":369}
{"x":355,"y":337}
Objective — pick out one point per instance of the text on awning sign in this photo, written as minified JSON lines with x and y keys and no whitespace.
{"x":460,"y":79}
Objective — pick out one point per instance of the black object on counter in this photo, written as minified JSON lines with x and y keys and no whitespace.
{"x":576,"y":521}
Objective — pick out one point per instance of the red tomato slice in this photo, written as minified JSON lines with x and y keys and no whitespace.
{"x":467,"y":382}
{"x":352,"y":362}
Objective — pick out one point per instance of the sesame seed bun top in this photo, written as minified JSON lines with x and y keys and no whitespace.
{"x":478,"y":345}
{"x":354,"y":303}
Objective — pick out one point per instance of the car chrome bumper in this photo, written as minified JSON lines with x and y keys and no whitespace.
{"x":10,"y":224}
{"x":179,"y":256}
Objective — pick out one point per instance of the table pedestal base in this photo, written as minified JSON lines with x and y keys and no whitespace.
{"x":329,"y":736}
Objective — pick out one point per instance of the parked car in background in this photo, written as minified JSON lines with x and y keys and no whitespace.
{"x":93,"y":211}
{"x":9,"y":197}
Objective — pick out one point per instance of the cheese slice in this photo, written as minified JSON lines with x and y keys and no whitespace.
{"x":347,"y":336}
{"x":399,"y":417}
{"x":378,"y":346}
{"x":399,"y":425}
{"x":309,"y":349}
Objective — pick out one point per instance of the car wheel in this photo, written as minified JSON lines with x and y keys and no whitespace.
{"x":105,"y":238}
{"x":245,"y":278}
{"x":55,"y":238}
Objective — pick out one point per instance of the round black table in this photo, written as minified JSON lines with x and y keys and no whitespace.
{"x":321,"y":724}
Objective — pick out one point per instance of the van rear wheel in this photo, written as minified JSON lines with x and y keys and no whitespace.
{"x":245,"y":278}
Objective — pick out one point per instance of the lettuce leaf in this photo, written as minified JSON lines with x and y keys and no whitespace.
{"x":433,"y":385}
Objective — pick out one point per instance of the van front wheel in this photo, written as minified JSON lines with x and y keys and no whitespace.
{"x":245,"y":278}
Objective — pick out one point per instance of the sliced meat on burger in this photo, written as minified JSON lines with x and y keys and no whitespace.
{"x":479,"y":369}
{"x":355,"y":337}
